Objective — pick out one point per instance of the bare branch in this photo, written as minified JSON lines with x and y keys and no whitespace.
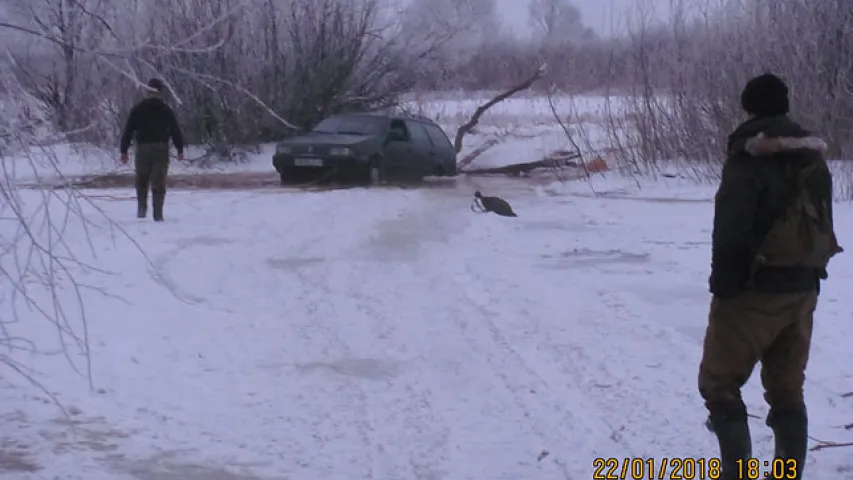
{"x":482,"y":109}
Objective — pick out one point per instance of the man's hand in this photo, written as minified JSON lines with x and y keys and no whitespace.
{"x":124,"y":158}
{"x":180,"y":157}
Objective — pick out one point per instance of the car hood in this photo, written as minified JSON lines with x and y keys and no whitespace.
{"x":326,"y":139}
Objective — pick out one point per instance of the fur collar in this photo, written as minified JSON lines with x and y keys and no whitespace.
{"x":760,"y":144}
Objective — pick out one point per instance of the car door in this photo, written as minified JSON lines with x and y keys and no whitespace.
{"x":403,"y":156}
{"x":422,"y":149}
{"x":445,"y":151}
{"x":398,"y":148}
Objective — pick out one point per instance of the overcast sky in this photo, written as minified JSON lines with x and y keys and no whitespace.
{"x":596,"y":13}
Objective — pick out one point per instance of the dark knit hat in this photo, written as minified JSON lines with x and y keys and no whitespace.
{"x":765,"y":96}
{"x":156,"y":84}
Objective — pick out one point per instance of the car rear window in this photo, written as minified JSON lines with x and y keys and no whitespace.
{"x":439,"y":139}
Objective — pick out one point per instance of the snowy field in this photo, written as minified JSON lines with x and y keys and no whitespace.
{"x":405,"y":338}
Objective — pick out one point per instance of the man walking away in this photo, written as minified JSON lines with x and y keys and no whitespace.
{"x":154,"y":123}
{"x":772,"y":240}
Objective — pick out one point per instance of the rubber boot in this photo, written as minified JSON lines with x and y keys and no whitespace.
{"x":790,"y":429}
{"x":735,"y":444}
{"x":158,"y":199}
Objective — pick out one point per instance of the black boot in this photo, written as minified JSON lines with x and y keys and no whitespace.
{"x":790,"y":429}
{"x":141,"y":202}
{"x":141,"y":195}
{"x":735,"y":444}
{"x":158,"y":199}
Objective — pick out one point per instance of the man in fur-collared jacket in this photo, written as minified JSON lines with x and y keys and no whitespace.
{"x":773,"y":237}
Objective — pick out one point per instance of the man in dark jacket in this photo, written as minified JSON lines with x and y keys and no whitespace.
{"x":765,"y":278}
{"x":154,"y":123}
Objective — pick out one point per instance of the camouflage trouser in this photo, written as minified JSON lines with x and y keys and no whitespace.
{"x":152,"y":167}
{"x":774,"y":329}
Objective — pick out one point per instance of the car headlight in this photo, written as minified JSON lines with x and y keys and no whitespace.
{"x":341,"y":152}
{"x":283,"y":149}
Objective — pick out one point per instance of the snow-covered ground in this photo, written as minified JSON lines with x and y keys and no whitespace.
{"x":405,"y":338}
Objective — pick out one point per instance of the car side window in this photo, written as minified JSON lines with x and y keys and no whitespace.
{"x":398,"y":129}
{"x":439,"y":139}
{"x":419,"y":135}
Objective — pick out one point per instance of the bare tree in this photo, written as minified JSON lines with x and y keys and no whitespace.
{"x":457,"y":32}
{"x":241,"y":72}
{"x":460,"y":24}
{"x":557,"y":22}
{"x":674,"y":88}
{"x":342,"y":60}
{"x":40,"y":94}
{"x":55,"y":63}
{"x":35,"y":262}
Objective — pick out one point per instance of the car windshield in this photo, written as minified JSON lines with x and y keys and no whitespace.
{"x":352,"y":125}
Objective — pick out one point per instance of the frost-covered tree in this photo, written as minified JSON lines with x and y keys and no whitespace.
{"x":556,"y":22}
{"x":240,"y":71}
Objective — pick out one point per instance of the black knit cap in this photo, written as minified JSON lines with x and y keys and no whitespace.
{"x":765,"y":96}
{"x":156,"y":84}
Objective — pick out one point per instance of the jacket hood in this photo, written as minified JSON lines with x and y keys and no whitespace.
{"x":771,"y":135}
{"x":761,"y":145}
{"x":153,"y":100}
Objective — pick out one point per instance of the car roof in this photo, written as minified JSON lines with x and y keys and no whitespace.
{"x":388,"y":116}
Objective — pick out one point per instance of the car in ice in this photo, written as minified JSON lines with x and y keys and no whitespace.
{"x":367,"y":147}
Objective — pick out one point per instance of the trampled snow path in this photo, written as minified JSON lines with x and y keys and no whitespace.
{"x":393,"y":334}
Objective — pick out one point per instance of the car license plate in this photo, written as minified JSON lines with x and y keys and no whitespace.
{"x":308,"y":162}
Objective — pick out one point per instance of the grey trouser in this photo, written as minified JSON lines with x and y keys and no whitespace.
{"x":152,"y":167}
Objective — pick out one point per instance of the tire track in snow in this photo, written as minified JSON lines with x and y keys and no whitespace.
{"x":572,"y":356}
{"x":162,"y":274}
{"x":307,"y":423}
{"x":562,"y":417}
{"x":446,"y":316}
{"x":327,"y":357}
{"x":409,"y":438}
{"x":163,"y":263}
{"x":411,"y":403}
{"x":320,"y":305}
{"x":423,"y":423}
{"x":332,"y":311}
{"x":637,"y":374}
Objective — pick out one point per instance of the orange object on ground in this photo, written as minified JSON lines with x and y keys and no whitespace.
{"x":597,"y":165}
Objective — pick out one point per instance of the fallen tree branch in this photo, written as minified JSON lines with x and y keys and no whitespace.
{"x":565,"y":159}
{"x":482,"y":109}
{"x":822,"y":445}
{"x":217,"y":152}
{"x":487,"y":145}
